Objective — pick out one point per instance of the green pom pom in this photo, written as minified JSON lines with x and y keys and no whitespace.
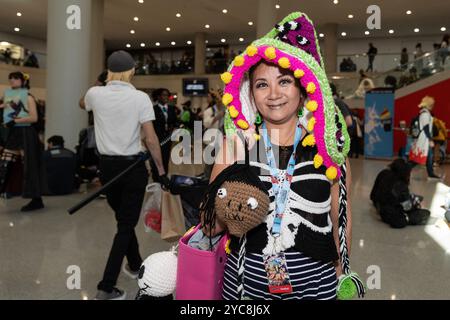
{"x":346,"y":289}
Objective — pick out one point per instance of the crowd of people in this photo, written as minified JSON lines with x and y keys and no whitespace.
{"x":29,"y":60}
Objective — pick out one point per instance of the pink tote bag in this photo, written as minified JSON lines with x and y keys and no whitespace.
{"x":200,"y":273}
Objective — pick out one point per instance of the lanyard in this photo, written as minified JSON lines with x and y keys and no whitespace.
{"x":280,"y":191}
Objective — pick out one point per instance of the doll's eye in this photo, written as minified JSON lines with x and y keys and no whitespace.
{"x":252,"y":203}
{"x":302,"y":40}
{"x":222,"y":193}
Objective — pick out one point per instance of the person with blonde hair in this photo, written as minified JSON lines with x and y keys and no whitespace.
{"x":120,"y":112}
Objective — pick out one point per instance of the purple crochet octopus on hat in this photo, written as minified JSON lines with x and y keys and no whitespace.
{"x":299,"y":33}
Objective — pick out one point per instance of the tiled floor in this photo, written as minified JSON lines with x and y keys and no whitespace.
{"x":36,"y":249}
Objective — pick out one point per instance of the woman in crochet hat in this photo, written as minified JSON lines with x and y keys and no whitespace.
{"x":278,"y":97}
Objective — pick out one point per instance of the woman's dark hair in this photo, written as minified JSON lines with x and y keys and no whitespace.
{"x":19,"y":75}
{"x":283,"y":71}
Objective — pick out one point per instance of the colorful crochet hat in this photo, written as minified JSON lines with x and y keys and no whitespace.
{"x":292,"y":44}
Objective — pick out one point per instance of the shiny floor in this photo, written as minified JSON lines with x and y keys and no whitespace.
{"x":38,"y":251}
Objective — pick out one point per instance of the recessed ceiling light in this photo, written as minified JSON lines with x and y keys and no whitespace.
{"x":206,"y":41}
{"x":223,"y":40}
{"x":178,"y":15}
{"x":335,"y":1}
{"x":408,"y":12}
{"x":277,"y":6}
{"x":225,"y":11}
{"x":343,"y":34}
{"x":128,"y":45}
{"x":189,"y":42}
{"x":157,"y":44}
{"x":350,"y":16}
{"x":141,"y":1}
{"x":241,"y":39}
{"x":391,"y":31}
{"x":321,"y":35}
{"x":250,"y":23}
{"x":19,"y":14}
{"x":207,"y":26}
{"x":132,"y":31}
{"x":173,"y":43}
{"x":16,"y":29}
{"x":443,"y":28}
{"x":367,"y":33}
{"x":168,"y":29}
{"x":416,"y":30}
{"x":142,"y":44}
{"x":136,"y":19}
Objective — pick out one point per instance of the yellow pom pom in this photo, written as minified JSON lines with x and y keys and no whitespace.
{"x":233,"y":112}
{"x":227,"y":247}
{"x":270,"y":53}
{"x":239,"y":61}
{"x":243,"y":124}
{"x":331,"y":173}
{"x":318,"y":161}
{"x":226,"y":77}
{"x":257,"y":136}
{"x":311,"y":124}
{"x":284,"y":63}
{"x":309,"y":141}
{"x":299,"y":73}
{"x":311,"y":88}
{"x":312,"y":105}
{"x":252,"y":50}
{"x":227,"y":99}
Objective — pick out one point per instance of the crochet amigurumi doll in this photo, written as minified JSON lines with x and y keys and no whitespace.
{"x":238,"y":198}
{"x":158,"y":276}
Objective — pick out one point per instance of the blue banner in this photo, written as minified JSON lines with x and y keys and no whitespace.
{"x":379,"y":124}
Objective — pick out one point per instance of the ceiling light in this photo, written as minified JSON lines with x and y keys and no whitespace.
{"x":189,"y":42}
{"x":178,"y":15}
{"x":141,"y":1}
{"x":335,"y":1}
{"x":207,"y":26}
{"x":173,"y":43}
{"x":391,"y":31}
{"x":142,"y":45}
{"x":250,"y":23}
{"x":321,"y":35}
{"x":443,"y":28}
{"x":343,"y":34}
{"x":136,"y":19}
{"x":223,"y":40}
{"x":19,"y":14}
{"x":367,"y":33}
{"x":16,"y":29}
{"x":241,"y":39}
{"x":128,"y":45}
{"x":4,"y":43}
{"x":132,"y":31}
{"x":408,"y":12}
{"x":157,"y":44}
{"x":277,"y":6}
{"x":416,"y":30}
{"x":206,"y":41}
{"x":225,"y":11}
{"x":350,"y":16}
{"x":168,"y":29}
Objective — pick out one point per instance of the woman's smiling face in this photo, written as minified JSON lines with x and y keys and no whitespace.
{"x":275,"y":91}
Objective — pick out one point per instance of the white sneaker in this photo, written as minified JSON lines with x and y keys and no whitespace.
{"x":132,"y":274}
{"x":116,"y":294}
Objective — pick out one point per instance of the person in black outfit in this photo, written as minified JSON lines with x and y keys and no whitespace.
{"x":390,"y":195}
{"x":371,"y":54}
{"x":60,"y":164}
{"x":165,"y":122}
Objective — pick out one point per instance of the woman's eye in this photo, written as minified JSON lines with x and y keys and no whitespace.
{"x":285,"y":82}
{"x":261,"y":85}
{"x":222,"y":193}
{"x":252,"y":203}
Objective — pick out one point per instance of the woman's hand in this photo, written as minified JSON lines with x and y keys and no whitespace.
{"x":338,"y":267}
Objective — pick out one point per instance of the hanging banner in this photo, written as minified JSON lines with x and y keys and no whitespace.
{"x":378,"y":124}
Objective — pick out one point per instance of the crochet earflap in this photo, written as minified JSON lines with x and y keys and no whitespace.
{"x":293,"y":45}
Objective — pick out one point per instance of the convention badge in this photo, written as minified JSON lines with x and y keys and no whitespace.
{"x":277,"y":274}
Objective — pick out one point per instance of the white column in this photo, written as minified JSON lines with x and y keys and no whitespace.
{"x":200,"y":53}
{"x":329,"y":47}
{"x":69,"y":64}
{"x":267,"y":17}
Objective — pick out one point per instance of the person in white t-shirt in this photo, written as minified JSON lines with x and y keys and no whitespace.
{"x":120,"y":112}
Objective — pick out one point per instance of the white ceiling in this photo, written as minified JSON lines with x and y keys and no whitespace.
{"x":156,"y":15}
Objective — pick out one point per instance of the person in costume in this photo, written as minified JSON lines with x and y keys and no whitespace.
{"x":278,"y":98}
{"x":22,"y":140}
